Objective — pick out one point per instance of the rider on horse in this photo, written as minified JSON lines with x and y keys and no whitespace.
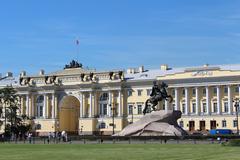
{"x":158,"y":93}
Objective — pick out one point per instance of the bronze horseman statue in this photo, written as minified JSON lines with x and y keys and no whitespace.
{"x":158,"y":94}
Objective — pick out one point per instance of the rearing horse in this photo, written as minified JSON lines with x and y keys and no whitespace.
{"x":158,"y":94}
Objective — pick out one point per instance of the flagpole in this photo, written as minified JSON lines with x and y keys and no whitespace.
{"x":77,"y":49}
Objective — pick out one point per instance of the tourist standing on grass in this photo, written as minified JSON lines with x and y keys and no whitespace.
{"x":30,"y":137}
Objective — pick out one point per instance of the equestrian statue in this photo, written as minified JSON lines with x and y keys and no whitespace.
{"x":159,"y":93}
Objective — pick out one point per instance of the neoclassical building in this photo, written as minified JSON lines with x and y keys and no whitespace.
{"x":83,"y":101}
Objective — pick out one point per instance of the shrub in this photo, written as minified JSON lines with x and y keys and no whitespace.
{"x":233,"y":142}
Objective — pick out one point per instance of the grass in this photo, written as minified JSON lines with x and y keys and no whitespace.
{"x":117,"y":152}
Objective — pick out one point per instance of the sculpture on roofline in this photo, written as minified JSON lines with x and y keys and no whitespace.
{"x":159,"y":93}
{"x":73,"y":64}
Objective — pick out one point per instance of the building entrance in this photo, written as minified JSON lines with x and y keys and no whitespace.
{"x":191,"y":125}
{"x":213,"y":124}
{"x":202,"y":126}
{"x":69,"y":114}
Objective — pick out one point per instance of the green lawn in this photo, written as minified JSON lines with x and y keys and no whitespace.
{"x":118,"y":151}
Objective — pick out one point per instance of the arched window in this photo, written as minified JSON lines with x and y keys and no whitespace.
{"x":40,"y":106}
{"x":104,"y":97}
{"x":103,"y":104}
{"x":102,"y":125}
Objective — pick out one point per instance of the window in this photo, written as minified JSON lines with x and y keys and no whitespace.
{"x":129,"y":92}
{"x":225,"y":106}
{"x":139,"y":109}
{"x":183,"y":108}
{"x":181,"y":124}
{"x":104,"y":97}
{"x":215,"y":107}
{"x":139,"y":92}
{"x":224,"y":123}
{"x":173,"y":92}
{"x":204,"y":107}
{"x":173,"y":106}
{"x":204,"y":91}
{"x":225,"y":89}
{"x":194,"y":107}
{"x":130,"y":109}
{"x":215,"y":90}
{"x":183,"y":92}
{"x":149,"y":92}
{"x":194,"y":92}
{"x":40,"y":106}
{"x":102,"y":125}
{"x":103,"y":109}
{"x":1,"y":112}
{"x":163,"y":106}
{"x":237,"y":89}
{"x":234,"y":123}
{"x":103,"y":104}
{"x":40,"y":111}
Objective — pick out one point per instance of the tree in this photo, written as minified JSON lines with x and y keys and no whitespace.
{"x":15,"y":124}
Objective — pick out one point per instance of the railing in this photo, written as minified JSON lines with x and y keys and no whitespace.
{"x":87,"y":139}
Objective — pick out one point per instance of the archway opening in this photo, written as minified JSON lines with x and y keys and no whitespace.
{"x":69,"y":114}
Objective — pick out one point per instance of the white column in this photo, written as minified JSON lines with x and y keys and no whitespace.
{"x":32,"y":106}
{"x":53,"y":106}
{"x":90,"y":106}
{"x":96,"y":104}
{"x":197,"y":100}
{"x":166,"y":105}
{"x":230,"y":104}
{"x":207,"y":100}
{"x":56,"y":106}
{"x":109,"y":103}
{"x":177,"y":104}
{"x":83,"y":104}
{"x":45,"y":106}
{"x":27,"y":106}
{"x":119,"y":103}
{"x":186,"y":101}
{"x":218,"y":100}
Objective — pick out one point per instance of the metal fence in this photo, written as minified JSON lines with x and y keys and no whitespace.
{"x":84,"y":139}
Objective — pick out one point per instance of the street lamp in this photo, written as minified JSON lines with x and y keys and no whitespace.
{"x":113,"y":114}
{"x":236,"y":105}
{"x":133,"y":107}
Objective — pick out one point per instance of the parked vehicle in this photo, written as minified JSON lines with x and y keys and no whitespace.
{"x":220,"y":131}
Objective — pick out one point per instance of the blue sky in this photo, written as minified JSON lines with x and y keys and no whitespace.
{"x":117,"y":34}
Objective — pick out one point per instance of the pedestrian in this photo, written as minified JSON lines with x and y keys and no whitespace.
{"x":30,"y":137}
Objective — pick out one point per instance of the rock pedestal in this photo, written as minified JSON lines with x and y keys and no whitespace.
{"x":159,"y":123}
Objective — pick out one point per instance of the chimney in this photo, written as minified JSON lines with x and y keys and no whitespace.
{"x":23,"y":73}
{"x":141,"y":69}
{"x":9,"y":74}
{"x":41,"y":73}
{"x":205,"y":65}
{"x":164,"y":67}
{"x":130,"y":71}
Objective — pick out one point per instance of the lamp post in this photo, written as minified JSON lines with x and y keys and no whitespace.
{"x":133,"y":107}
{"x":113,"y":114}
{"x":236,"y":105}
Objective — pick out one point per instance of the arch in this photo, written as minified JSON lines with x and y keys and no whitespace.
{"x":69,"y":109}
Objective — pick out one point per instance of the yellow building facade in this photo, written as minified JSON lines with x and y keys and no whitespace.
{"x":83,"y":101}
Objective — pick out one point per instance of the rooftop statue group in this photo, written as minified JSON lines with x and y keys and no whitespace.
{"x":159,"y":93}
{"x":73,"y":64}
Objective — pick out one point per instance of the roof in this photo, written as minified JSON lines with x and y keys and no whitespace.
{"x":146,"y":75}
{"x":9,"y":81}
{"x":154,"y":73}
